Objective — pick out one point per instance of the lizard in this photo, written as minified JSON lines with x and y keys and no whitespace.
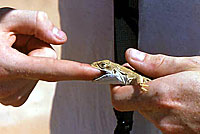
{"x":117,"y":74}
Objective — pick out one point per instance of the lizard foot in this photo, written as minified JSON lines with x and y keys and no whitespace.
{"x":143,"y":85}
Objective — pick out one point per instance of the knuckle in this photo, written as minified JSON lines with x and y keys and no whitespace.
{"x":41,"y":16}
{"x":120,"y":105}
{"x":11,"y":97}
{"x":15,"y":102}
{"x":116,"y":105}
{"x":159,"y":60}
{"x":42,"y":19}
{"x":42,"y":23}
{"x":194,"y":61}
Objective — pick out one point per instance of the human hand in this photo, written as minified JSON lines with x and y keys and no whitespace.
{"x":26,"y":55}
{"x":172,"y":102}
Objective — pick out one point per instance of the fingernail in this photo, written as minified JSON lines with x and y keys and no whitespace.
{"x":137,"y":55}
{"x":58,"y":33}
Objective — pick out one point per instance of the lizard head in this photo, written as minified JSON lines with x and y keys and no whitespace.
{"x":102,"y":65}
{"x":109,"y":72}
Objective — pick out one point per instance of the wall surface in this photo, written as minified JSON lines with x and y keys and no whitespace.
{"x":34,"y":116}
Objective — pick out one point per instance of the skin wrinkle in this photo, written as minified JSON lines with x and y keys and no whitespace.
{"x":157,"y":66}
{"x":169,"y":128}
{"x":164,"y":61}
{"x":36,"y":24}
{"x":26,"y":44}
{"x":194,"y":62}
{"x":161,"y":119}
{"x":153,"y":66}
{"x":40,"y":17}
{"x":182,"y":117}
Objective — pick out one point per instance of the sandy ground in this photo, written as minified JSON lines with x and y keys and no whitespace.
{"x":33,"y":117}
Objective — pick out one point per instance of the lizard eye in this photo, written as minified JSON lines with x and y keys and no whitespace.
{"x":114,"y":71}
{"x":102,"y":65}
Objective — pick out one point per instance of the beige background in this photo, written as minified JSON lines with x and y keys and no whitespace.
{"x":34,"y":116}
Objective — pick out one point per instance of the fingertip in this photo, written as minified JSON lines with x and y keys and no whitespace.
{"x":52,"y":35}
{"x":133,"y":61}
{"x":91,"y":72}
{"x":59,"y":34}
{"x":50,"y":38}
{"x":127,"y":53}
{"x":46,"y":31}
{"x":133,"y":54}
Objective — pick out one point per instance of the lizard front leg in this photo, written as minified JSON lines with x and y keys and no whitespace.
{"x":141,"y":83}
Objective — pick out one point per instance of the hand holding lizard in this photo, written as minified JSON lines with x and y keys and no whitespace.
{"x":172,"y":102}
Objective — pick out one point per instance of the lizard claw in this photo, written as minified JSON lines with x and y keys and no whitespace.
{"x":143,"y":85}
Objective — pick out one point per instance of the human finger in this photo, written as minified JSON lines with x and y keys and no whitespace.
{"x":15,"y":92}
{"x":124,"y":97}
{"x":47,"y":69}
{"x":36,"y":47}
{"x":19,"y":65}
{"x":160,"y":65}
{"x":34,"y":23}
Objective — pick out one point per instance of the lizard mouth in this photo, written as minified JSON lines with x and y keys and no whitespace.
{"x":102,"y":73}
{"x":107,"y":78}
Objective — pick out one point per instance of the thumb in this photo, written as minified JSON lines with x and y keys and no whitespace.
{"x":34,"y":23}
{"x":160,"y":65}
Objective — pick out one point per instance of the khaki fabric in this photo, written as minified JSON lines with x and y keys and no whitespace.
{"x":85,"y":107}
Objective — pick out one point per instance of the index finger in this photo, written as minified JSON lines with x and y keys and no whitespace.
{"x":49,"y":69}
